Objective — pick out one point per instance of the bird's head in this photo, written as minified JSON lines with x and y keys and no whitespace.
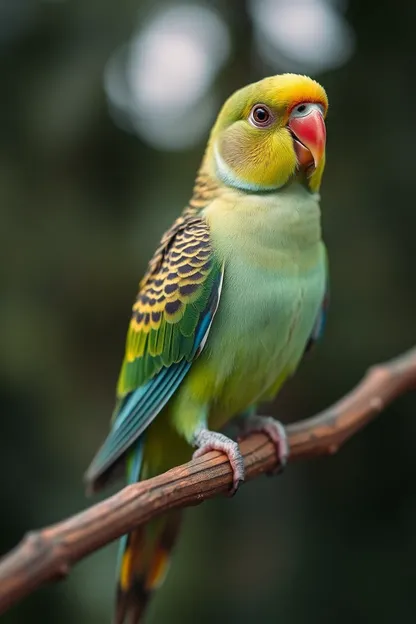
{"x":269,"y":132}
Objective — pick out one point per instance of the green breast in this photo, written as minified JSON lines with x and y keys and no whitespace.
{"x":274,"y":284}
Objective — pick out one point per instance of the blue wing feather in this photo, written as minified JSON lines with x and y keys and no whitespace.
{"x":140,"y":407}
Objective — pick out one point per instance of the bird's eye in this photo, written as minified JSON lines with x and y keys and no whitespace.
{"x":260,"y":116}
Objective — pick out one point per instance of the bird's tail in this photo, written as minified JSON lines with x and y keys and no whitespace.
{"x":143,"y":564}
{"x":144,"y":556}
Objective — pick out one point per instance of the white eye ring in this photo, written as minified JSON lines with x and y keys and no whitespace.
{"x":304,"y":108}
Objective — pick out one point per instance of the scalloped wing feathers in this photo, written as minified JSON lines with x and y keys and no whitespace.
{"x":170,"y":305}
{"x":171,"y":319}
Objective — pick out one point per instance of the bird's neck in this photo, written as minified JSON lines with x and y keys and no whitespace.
{"x":288,"y":219}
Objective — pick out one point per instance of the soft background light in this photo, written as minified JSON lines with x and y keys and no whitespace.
{"x":159,"y":84}
{"x":105,"y":110}
{"x":301,"y":35}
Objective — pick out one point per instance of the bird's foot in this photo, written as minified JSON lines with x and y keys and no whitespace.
{"x":275,"y":431}
{"x":207,"y":441}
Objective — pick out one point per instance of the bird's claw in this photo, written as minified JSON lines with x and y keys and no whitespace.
{"x":207,"y":441}
{"x":275,"y":431}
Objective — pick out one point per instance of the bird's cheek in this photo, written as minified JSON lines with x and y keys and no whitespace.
{"x":241,"y":155}
{"x":272,"y":161}
{"x":284,"y":158}
{"x":262,"y":161}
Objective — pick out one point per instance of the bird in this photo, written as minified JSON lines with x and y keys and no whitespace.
{"x":234,"y":296}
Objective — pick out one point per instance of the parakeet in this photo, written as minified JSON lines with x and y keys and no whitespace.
{"x":233,"y":296}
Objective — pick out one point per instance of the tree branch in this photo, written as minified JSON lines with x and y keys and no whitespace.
{"x":48,"y":554}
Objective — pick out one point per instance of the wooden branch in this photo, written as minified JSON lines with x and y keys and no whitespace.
{"x":48,"y":554}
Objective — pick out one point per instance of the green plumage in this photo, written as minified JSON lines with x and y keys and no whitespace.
{"x":232,"y":297}
{"x":274,"y":286}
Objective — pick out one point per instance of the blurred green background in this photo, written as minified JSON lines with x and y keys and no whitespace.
{"x":104,"y":112}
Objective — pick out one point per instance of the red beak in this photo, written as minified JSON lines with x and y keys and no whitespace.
{"x":309,"y":137}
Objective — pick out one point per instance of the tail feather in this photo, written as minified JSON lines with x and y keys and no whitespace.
{"x":143,"y":566}
{"x":144,"y":554}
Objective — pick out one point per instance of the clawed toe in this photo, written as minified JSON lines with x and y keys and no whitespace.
{"x":277,"y":434}
{"x":213,"y":441}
